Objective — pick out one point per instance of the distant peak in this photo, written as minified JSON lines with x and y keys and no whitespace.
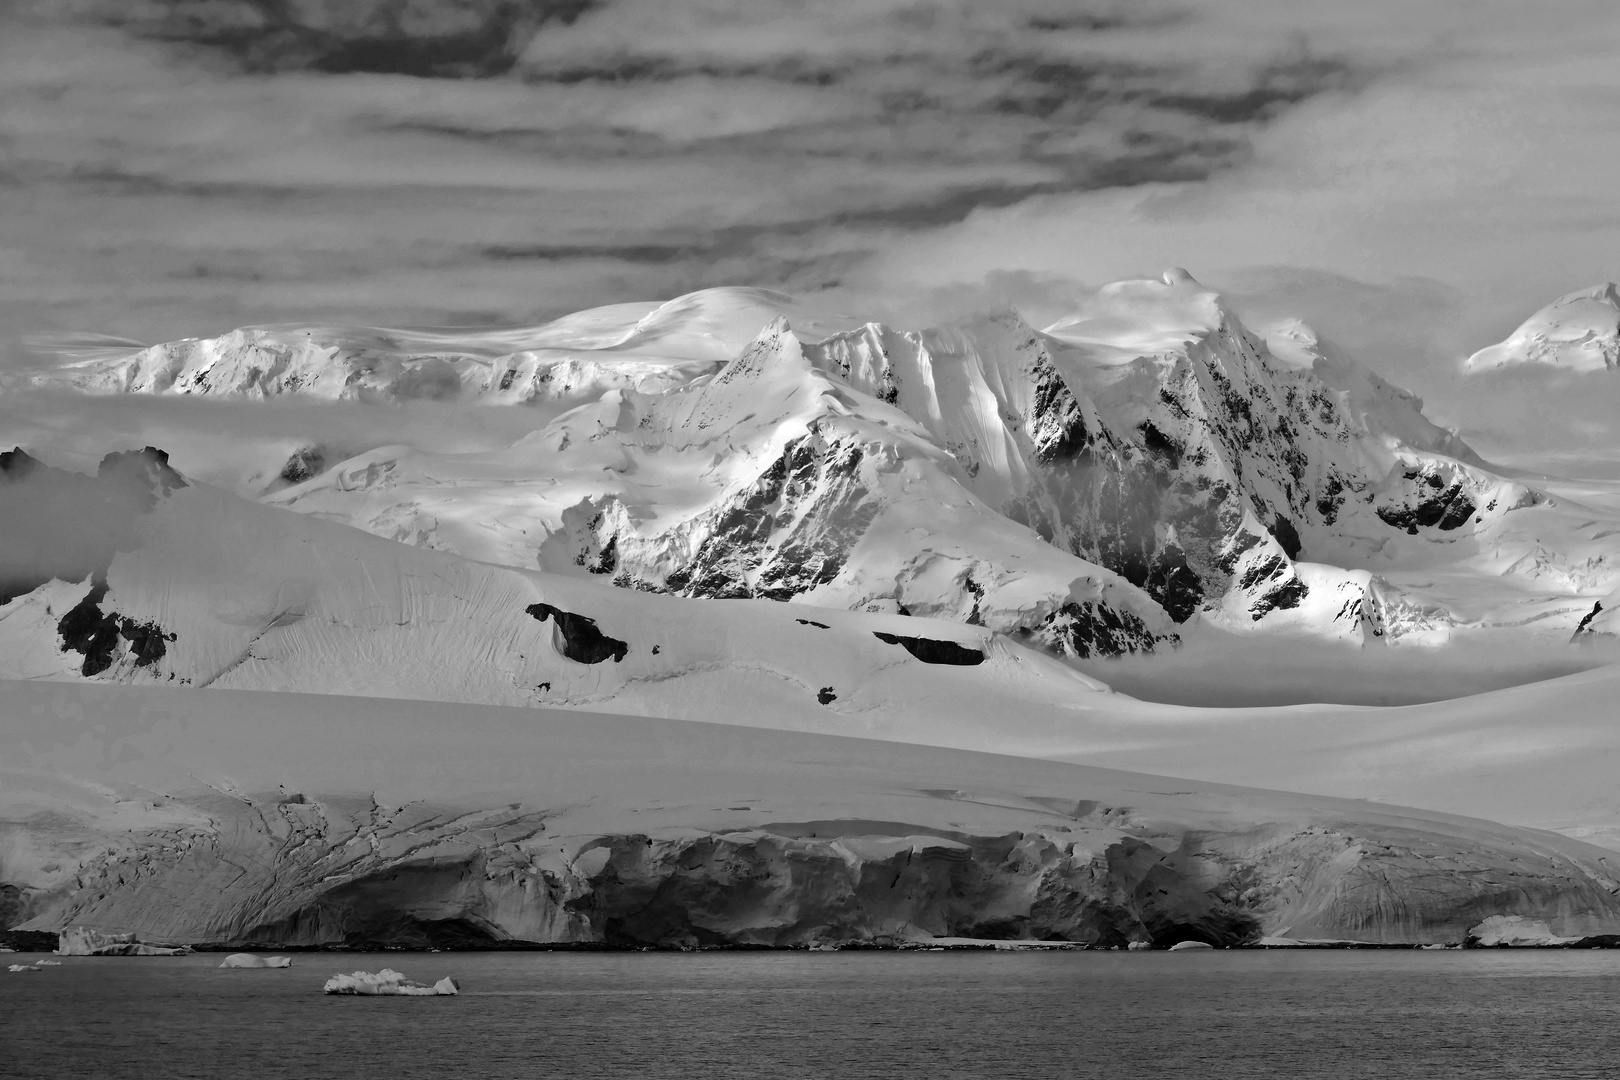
{"x":1579,"y":331}
{"x":1177,"y":276}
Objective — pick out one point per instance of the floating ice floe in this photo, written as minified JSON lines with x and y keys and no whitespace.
{"x":1183,"y":946}
{"x":388,"y":982}
{"x":1516,"y":931}
{"x":248,"y":960}
{"x":37,"y":965}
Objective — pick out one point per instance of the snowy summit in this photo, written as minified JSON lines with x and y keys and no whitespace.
{"x":1578,"y":332}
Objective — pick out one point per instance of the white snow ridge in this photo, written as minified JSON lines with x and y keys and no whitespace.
{"x":1578,"y":332}
{"x":747,"y":607}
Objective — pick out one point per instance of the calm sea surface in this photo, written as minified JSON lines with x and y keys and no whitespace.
{"x":846,"y":1015}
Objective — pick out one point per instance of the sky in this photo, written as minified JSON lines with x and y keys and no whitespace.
{"x":1414,"y":179}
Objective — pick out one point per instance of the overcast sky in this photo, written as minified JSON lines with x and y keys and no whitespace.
{"x":1413,"y":177}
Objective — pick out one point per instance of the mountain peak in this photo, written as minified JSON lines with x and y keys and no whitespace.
{"x":1580,"y":331}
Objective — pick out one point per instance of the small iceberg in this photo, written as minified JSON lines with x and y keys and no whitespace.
{"x":248,"y":960}
{"x":1515,"y":931}
{"x":1183,"y":946}
{"x":388,"y":982}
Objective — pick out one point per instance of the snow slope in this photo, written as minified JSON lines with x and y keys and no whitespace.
{"x":1578,"y":332}
{"x":278,"y":819}
{"x":205,"y":589}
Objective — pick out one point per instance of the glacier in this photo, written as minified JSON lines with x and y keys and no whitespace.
{"x":251,"y":820}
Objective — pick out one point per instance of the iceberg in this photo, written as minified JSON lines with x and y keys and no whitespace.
{"x":1516,"y":931}
{"x":83,"y":941}
{"x":389,"y":982}
{"x":248,"y":960}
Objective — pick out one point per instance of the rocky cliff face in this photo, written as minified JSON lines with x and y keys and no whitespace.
{"x":1156,"y":436}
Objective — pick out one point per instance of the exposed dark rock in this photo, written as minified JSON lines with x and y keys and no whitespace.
{"x":1173,"y":583}
{"x":932,"y":651}
{"x":86,"y":630}
{"x":812,"y":622}
{"x":581,"y":640}
{"x":1287,"y":593}
{"x":29,"y":941}
{"x":146,"y":469}
{"x":11,"y":909}
{"x":607,"y":559}
{"x":303,"y":464}
{"x":1431,"y":503}
{"x":826,"y":696}
{"x":1581,"y":631}
{"x":787,"y":533}
{"x":1058,"y":423}
{"x":1091,"y":629}
{"x":1287,"y":536}
{"x":17,"y":464}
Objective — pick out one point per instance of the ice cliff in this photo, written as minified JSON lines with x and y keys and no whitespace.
{"x":263,"y":821}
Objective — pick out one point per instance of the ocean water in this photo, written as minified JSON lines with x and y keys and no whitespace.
{"x":846,"y":1015}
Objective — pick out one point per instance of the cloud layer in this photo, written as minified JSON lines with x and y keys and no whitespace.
{"x":161,"y":183}
{"x":1412,"y":178}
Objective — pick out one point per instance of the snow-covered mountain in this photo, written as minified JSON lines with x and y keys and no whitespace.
{"x":1578,"y":332}
{"x":733,"y":508}
{"x":187,"y":585}
{"x":1146,"y":462}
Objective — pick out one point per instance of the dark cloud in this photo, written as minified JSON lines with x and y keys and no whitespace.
{"x":177,"y":167}
{"x":427,"y":38}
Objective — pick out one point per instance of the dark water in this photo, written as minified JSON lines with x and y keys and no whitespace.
{"x":844,"y":1015}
